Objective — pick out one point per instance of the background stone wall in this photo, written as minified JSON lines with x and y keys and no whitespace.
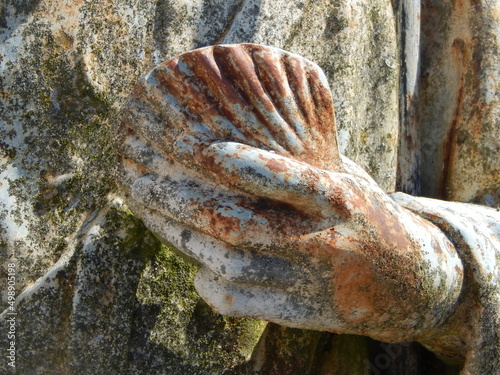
{"x":96,"y":292}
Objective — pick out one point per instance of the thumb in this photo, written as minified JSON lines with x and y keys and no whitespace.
{"x":265,"y":174}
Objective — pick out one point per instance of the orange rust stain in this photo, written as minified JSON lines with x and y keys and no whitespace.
{"x":450,"y":145}
{"x":458,"y":46}
{"x":353,"y":288}
{"x":277,"y":166}
{"x":228,"y":300}
{"x":389,"y":227}
{"x":209,"y":163}
{"x":262,"y":157}
{"x":436,"y":247}
{"x":220,"y":226}
{"x":128,"y":163}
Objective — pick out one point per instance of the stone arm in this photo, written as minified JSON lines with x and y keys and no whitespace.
{"x":229,"y":154}
{"x":280,"y":240}
{"x":473,"y":329}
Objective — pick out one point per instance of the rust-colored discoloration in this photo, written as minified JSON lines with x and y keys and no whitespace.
{"x":389,"y":224}
{"x":237,"y":144}
{"x":133,"y":165}
{"x":362,"y":274}
{"x":460,"y":101}
{"x":225,"y":227}
{"x":257,"y":95}
{"x":459,"y":50}
{"x":354,"y":290}
{"x":277,"y":166}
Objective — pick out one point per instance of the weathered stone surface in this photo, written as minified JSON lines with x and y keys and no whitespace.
{"x":474,"y":325}
{"x":60,"y":316}
{"x":230,"y":176}
{"x":242,"y":173}
{"x":460,"y":105}
{"x":66,"y":66}
{"x":356,"y":44}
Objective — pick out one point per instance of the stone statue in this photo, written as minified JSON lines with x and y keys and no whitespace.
{"x":229,"y":153}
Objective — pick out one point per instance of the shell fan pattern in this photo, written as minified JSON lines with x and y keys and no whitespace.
{"x":257,"y":95}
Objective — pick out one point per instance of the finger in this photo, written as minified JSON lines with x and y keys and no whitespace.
{"x":127,"y":173}
{"x":221,"y":258}
{"x":135,"y":155}
{"x":185,"y":196}
{"x":265,"y":174}
{"x":236,"y":219}
{"x":152,"y":114}
{"x":139,"y":158}
{"x":135,"y":149}
{"x":280,"y":306}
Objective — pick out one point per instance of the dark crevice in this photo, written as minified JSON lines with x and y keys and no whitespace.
{"x":230,"y":22}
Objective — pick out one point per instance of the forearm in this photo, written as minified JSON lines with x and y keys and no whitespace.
{"x":475,"y":232}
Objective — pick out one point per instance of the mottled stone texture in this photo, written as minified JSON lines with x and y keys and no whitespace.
{"x":460,"y":104}
{"x":90,"y":276}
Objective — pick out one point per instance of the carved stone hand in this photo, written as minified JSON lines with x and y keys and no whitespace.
{"x":229,"y":154}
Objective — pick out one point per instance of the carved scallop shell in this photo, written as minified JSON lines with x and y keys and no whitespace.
{"x":257,"y":95}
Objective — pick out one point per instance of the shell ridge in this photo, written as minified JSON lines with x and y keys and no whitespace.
{"x":280,"y":114}
{"x":221,"y":57}
{"x":237,"y":108}
{"x":323,"y":105}
{"x":291,"y":73}
{"x":324,"y":131}
{"x":184,"y":116}
{"x":299,"y":82}
{"x":211,"y":113}
{"x":192,"y":96}
{"x":157,"y":89}
{"x":209,"y":75}
{"x":176,"y":89}
{"x":248,"y":85}
{"x":239,"y":64}
{"x":314,"y":113}
{"x":297,"y":72}
{"x":275,"y":84}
